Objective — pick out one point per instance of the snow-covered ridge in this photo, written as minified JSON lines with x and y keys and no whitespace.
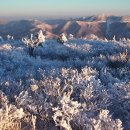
{"x":79,"y":27}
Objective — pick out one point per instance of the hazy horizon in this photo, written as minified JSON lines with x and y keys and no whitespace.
{"x":61,"y":8}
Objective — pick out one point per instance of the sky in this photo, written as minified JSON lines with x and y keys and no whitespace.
{"x":62,"y":8}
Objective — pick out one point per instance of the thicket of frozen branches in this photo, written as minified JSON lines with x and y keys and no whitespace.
{"x":82,"y":85}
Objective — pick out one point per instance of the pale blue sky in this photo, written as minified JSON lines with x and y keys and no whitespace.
{"x":52,"y":8}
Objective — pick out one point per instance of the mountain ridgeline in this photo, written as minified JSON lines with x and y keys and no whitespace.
{"x":103,"y":26}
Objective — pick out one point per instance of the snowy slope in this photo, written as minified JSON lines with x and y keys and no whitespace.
{"x":76,"y":82}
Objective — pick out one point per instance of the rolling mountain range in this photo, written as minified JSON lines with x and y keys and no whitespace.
{"x":103,"y":26}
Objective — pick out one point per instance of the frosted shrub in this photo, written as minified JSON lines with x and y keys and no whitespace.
{"x":10,"y":116}
{"x":71,"y":37}
{"x":6,"y":47}
{"x":66,"y":111}
{"x":94,"y":96}
{"x":27,"y":102}
{"x":91,"y":37}
{"x":10,"y":38}
{"x":57,"y":98}
{"x":114,"y":39}
{"x":120,"y":60}
{"x":103,"y":121}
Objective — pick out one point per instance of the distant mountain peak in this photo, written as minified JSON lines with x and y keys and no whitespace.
{"x":102,"y":25}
